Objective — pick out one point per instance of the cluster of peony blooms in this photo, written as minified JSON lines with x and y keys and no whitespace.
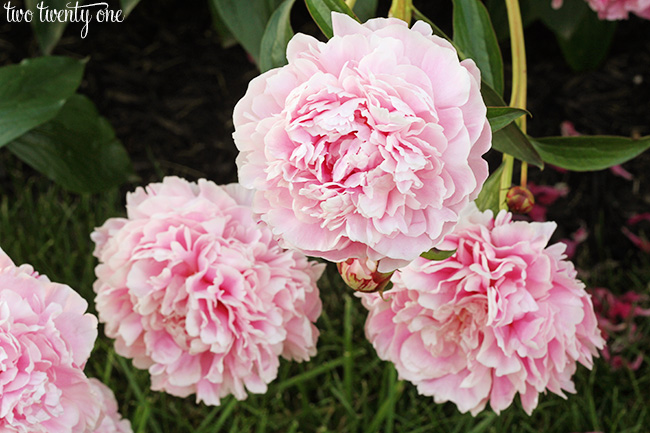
{"x":613,"y":10}
{"x":46,"y":337}
{"x":364,"y":150}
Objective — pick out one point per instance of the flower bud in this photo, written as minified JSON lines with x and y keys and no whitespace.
{"x":520,"y":199}
{"x":362,"y":276}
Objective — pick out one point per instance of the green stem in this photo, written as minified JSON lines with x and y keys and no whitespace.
{"x":518,"y":49}
{"x":401,"y":9}
{"x":506,"y":180}
{"x":350,"y":3}
{"x":518,"y":96}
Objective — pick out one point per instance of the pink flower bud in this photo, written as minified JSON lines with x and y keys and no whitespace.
{"x":362,"y":276}
{"x":520,"y":199}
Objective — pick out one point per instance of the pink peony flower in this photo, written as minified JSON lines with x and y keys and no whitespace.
{"x":504,"y":314}
{"x":620,"y":9}
{"x":197,"y":292}
{"x":367,"y":146}
{"x":46,"y":337}
{"x":110,"y":421}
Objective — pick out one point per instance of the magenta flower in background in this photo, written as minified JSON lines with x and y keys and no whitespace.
{"x":110,"y":419}
{"x":367,"y":146}
{"x":616,"y":316}
{"x":195,"y":290}
{"x":504,"y":315}
{"x":46,"y":337}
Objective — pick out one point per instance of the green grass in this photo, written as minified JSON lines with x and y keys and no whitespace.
{"x":345,"y":388}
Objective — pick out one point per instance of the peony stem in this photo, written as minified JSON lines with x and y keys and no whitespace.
{"x":401,"y":9}
{"x":524,"y":174}
{"x":518,"y":96}
{"x":506,"y":180}
{"x":518,"y":49}
{"x":350,"y":3}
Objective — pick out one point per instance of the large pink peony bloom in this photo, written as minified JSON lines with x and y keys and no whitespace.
{"x":196,"y":291}
{"x":366,"y":146}
{"x":504,"y":314}
{"x":110,"y":420}
{"x":46,"y":337}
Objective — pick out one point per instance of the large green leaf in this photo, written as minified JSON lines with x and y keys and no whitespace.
{"x":474,"y":35}
{"x":587,"y":153}
{"x":128,"y":5}
{"x":365,"y":9}
{"x":247,"y":20}
{"x":488,"y":198}
{"x":321,"y":12}
{"x":47,"y":34}
{"x":500,"y":117}
{"x":276,"y":37}
{"x":77,"y":149}
{"x":33,"y":92}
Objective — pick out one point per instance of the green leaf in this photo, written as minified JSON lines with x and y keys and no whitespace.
{"x":247,"y":20}
{"x":488,"y":198}
{"x":47,"y":34}
{"x":587,"y":153}
{"x":436,"y":254}
{"x":500,"y":117}
{"x":276,"y":37}
{"x":474,"y":34}
{"x":512,"y":141}
{"x":365,"y":9}
{"x":589,"y":44}
{"x":127,"y":6}
{"x":321,"y":12}
{"x":77,"y":149}
{"x":34,"y":91}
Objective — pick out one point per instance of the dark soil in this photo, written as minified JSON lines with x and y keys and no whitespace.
{"x":168,"y":87}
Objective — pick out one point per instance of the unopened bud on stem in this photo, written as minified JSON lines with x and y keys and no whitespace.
{"x":520,"y":200}
{"x":362,"y":276}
